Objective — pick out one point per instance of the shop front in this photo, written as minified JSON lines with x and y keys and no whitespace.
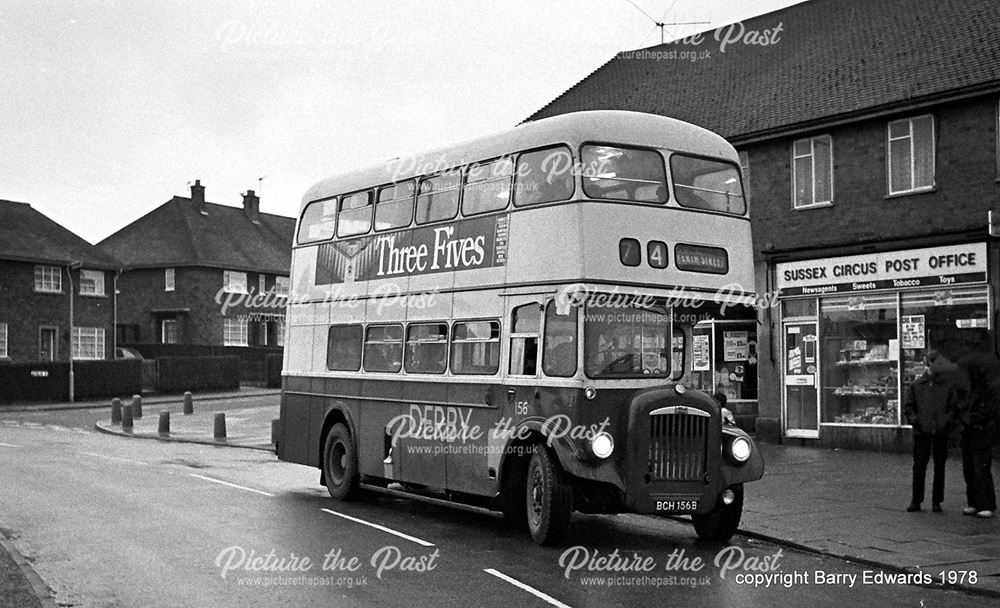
{"x":855,"y":330}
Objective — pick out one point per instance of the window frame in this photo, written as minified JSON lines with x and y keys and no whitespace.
{"x":510,"y":158}
{"x":518,"y":204}
{"x":335,"y":201}
{"x":912,"y":149}
{"x":715,"y":159}
{"x":243,"y":339}
{"x":453,"y":341}
{"x":359,"y":344}
{"x":340,"y":211}
{"x":3,"y":341}
{"x":99,"y":344}
{"x":457,"y":189}
{"x":574,"y":311}
{"x":170,"y":279}
{"x":282,"y":284}
{"x":43,"y":278}
{"x":796,"y":204}
{"x":664,"y":162}
{"x":367,"y":341}
{"x":406,"y":350}
{"x":227,"y":283}
{"x":378,"y":201}
{"x":97,"y":278}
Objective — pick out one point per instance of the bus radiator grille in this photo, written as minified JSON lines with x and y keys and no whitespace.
{"x":677,"y":447}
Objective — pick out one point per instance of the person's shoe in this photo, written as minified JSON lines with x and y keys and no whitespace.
{"x":936,"y":508}
{"x":985,"y":514}
{"x":913,"y":508}
{"x":969,"y":511}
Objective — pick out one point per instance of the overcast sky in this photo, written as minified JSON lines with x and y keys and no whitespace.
{"x":108,"y":109}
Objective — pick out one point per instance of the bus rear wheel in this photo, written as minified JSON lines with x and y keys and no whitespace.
{"x":548,"y":499}
{"x":723,"y":520}
{"x":340,"y":463}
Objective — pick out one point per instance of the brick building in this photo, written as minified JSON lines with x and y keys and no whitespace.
{"x":869,"y":135}
{"x":185,"y":260}
{"x":45,"y":272}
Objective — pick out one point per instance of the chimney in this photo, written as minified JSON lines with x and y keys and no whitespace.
{"x":251,"y":206}
{"x":198,"y":196}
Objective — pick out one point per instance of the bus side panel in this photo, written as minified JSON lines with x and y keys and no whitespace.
{"x":293,"y":438}
{"x":467,"y":455}
{"x":419,"y":461}
{"x":372,"y":419}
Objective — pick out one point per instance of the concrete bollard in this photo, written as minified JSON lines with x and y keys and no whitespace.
{"x":164,"y":427}
{"x":275,"y":422}
{"x":127,"y":419}
{"x":136,"y":406}
{"x":116,"y":411}
{"x":220,"y":425}
{"x":188,"y":403}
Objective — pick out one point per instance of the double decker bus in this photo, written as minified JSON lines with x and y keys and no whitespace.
{"x":510,"y":324}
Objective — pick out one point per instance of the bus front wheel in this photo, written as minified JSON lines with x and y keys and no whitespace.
{"x":549,"y":499}
{"x":721,"y":522}
{"x":340,"y":463}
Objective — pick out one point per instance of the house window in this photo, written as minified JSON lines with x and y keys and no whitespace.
{"x":168,"y":331}
{"x":168,"y":279}
{"x":812,"y":171}
{"x":261,"y":284}
{"x":997,"y":124}
{"x":234,"y":282}
{"x":3,"y":340}
{"x":281,"y":286}
{"x":235,"y":332}
{"x":911,"y":155}
{"x":48,"y":279}
{"x":92,"y":282}
{"x":88,"y":343}
{"x":279,"y":332}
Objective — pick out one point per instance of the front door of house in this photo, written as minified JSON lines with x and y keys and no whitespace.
{"x":47,"y":343}
{"x":800,"y":356}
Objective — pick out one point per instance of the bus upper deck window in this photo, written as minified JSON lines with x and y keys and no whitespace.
{"x":624,"y":174}
{"x":355,"y":214}
{"x":543,"y":176}
{"x":487,"y":186}
{"x":318,"y":221}
{"x":704,"y":183}
{"x":395,"y":206}
{"x":438,"y":197}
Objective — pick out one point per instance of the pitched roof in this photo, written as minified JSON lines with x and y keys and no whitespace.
{"x":177,"y":234}
{"x":831,"y":59}
{"x":27,"y":235}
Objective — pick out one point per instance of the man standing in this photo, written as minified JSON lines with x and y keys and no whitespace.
{"x":931,"y":407}
{"x":981,"y":431}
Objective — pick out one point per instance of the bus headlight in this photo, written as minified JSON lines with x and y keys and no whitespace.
{"x":602,"y":445}
{"x":739,"y":449}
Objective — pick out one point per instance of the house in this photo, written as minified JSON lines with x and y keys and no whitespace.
{"x":56,"y":291}
{"x":868,"y":132}
{"x":199,"y":273}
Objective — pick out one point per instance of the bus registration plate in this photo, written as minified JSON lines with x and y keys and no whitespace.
{"x":677,"y":505}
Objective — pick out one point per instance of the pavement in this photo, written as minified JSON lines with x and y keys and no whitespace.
{"x":842,"y":503}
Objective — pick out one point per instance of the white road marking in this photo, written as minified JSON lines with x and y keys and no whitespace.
{"x":232,"y":485}
{"x":528,"y":588}
{"x":129,"y":461}
{"x":382,"y":528}
{"x":8,"y":445}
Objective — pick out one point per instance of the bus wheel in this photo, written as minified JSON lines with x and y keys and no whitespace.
{"x":549,"y":499}
{"x":720,"y":523}
{"x":340,"y":463}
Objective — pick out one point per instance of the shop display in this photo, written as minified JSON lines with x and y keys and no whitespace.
{"x":863,"y":383}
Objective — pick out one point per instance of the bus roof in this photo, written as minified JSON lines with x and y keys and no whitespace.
{"x":603,"y":126}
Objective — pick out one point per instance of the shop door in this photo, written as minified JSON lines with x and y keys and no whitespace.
{"x":801,"y":376}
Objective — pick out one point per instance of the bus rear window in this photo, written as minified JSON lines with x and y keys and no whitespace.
{"x":438,"y":197}
{"x":624,"y":174}
{"x":543,"y":176}
{"x":703,"y":183}
{"x":427,"y":348}
{"x":626,"y":343}
{"x":475,"y":347}
{"x":319,"y":219}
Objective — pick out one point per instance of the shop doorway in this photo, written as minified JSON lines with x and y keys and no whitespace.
{"x":800,"y":357}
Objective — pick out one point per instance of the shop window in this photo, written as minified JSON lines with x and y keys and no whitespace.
{"x":798,"y":308}
{"x":526,"y":322}
{"x":724,"y":359}
{"x":859,"y":358}
{"x":953,"y":322}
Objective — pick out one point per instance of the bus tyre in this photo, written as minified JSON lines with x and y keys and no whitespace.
{"x":340,"y":463}
{"x":548,"y":498}
{"x":721,"y":522}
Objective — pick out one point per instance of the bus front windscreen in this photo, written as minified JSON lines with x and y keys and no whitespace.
{"x":626,"y":343}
